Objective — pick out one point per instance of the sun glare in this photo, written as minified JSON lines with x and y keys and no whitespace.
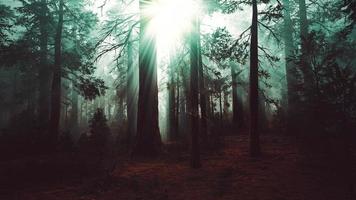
{"x":171,"y":19}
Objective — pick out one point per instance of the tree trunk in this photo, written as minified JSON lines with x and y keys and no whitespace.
{"x":202,"y":90}
{"x":220,"y":105}
{"x":44,"y":69}
{"x":291,"y":71}
{"x":193,"y":96}
{"x":226,"y":105}
{"x":254,"y":134}
{"x":262,"y":118}
{"x":120,"y":108}
{"x":56,"y":82}
{"x":148,"y":139}
{"x":131,"y":95}
{"x":212,"y":106}
{"x":237,"y":109}
{"x":75,"y":109}
{"x":172,"y":129}
{"x":183,"y":116}
{"x":305,"y":65}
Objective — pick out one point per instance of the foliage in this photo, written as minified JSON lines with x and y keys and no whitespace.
{"x":99,"y":130}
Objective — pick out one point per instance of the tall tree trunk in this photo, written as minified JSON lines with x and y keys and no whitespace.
{"x":290,"y":95}
{"x":212,"y":106}
{"x":120,"y":108}
{"x":131,"y":94}
{"x":172,"y":133}
{"x":56,"y":82}
{"x":172,"y":86}
{"x":262,"y":118}
{"x":237,"y":109}
{"x":148,"y":139}
{"x":254,"y":134}
{"x":305,"y":117}
{"x":183,"y":99}
{"x":75,"y":109}
{"x":226,"y":105}
{"x":220,"y":105}
{"x":193,"y":96}
{"x":305,"y":65}
{"x":44,"y":69}
{"x":202,"y":90}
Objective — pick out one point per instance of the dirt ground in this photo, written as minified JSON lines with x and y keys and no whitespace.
{"x":282,"y":173}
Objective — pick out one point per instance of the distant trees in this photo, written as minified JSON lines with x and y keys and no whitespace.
{"x":34,"y":58}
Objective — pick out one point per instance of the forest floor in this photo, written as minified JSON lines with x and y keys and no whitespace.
{"x":280,"y":174}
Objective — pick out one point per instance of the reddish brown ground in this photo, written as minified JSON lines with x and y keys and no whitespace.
{"x":280,"y":174}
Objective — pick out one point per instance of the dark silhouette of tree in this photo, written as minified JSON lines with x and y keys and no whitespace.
{"x":56,"y":82}
{"x":202,"y":90}
{"x":291,"y":98}
{"x":253,"y":92}
{"x":193,"y":94}
{"x":131,"y":94}
{"x":44,"y":67}
{"x":148,"y":139}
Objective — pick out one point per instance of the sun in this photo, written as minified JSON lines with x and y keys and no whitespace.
{"x":171,"y":20}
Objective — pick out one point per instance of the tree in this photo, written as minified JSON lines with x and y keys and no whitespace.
{"x":56,"y":82}
{"x":148,"y":139}
{"x":193,"y":94}
{"x":254,"y":102}
{"x":44,"y":69}
{"x":304,"y":60}
{"x":131,"y":93}
{"x":237,"y":106}
{"x":291,"y":71}
{"x":202,"y":90}
{"x":172,"y":103}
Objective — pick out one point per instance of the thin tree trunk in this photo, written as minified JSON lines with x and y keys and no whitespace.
{"x":202,"y":90}
{"x":131,"y":95}
{"x":56,"y":83}
{"x":184,"y":122}
{"x":212,"y":106}
{"x":74,"y":111}
{"x":226,"y":105}
{"x":220,"y":105}
{"x":291,"y":71}
{"x":148,"y":139}
{"x":237,"y":109}
{"x":193,"y":96}
{"x":254,"y":134}
{"x":172,"y":130}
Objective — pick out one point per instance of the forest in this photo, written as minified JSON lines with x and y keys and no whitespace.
{"x":178,"y":99}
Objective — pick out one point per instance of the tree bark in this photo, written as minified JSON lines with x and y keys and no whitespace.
{"x":148,"y":139}
{"x":193,"y":95}
{"x":56,"y":82}
{"x":254,"y":134}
